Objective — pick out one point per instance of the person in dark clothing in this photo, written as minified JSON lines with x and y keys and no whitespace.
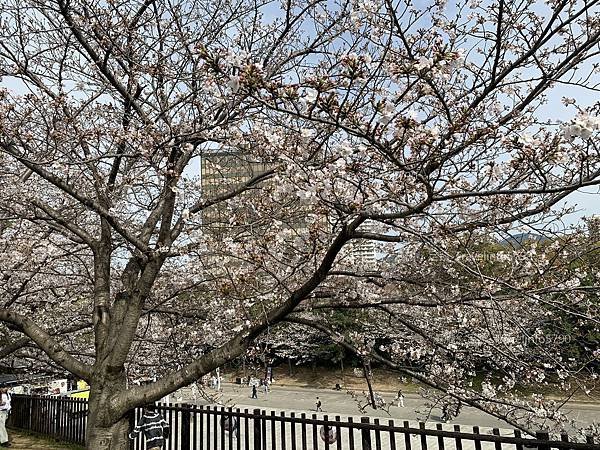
{"x":445,"y":413}
{"x":254,"y":391}
{"x":154,"y":426}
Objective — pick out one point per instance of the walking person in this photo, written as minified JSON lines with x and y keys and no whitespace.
{"x":266,"y":386}
{"x":254,"y":391}
{"x":154,"y":426}
{"x":4,"y":412}
{"x":445,"y":413}
{"x":379,"y":401}
{"x":318,"y":403}
{"x":400,"y":399}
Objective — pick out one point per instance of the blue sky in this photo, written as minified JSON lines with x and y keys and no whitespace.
{"x":587,"y":200}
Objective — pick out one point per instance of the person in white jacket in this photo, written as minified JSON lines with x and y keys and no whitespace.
{"x":400,"y":399}
{"x":4,"y":412}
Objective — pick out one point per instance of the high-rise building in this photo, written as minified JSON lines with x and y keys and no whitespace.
{"x":223,"y":171}
{"x":220,"y":173}
{"x":364,"y":252}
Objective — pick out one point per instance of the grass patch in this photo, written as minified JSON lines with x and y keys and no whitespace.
{"x":42,"y":439}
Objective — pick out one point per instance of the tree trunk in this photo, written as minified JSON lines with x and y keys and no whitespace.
{"x":367,"y":373}
{"x":112,"y":437}
{"x":105,"y":431}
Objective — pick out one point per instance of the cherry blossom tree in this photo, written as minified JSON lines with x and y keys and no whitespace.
{"x":482,"y":343}
{"x":421,"y":130}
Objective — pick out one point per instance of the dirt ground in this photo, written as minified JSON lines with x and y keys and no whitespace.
{"x":20,"y":440}
{"x":383,"y":381}
{"x":326,"y":378}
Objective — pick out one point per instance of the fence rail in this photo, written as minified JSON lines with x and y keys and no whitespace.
{"x":212,"y":428}
{"x":63,"y":418}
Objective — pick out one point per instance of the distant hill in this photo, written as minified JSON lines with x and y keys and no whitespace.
{"x":517,"y":240}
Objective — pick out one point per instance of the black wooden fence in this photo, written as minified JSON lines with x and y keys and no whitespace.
{"x":63,"y":418}
{"x":206,"y":428}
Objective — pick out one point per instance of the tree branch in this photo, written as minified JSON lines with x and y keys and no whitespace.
{"x":411,"y":373}
{"x":46,"y":343}
{"x":12,"y":150}
{"x":236,"y":346}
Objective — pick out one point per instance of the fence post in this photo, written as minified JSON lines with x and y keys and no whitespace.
{"x":303,"y":431}
{"x":424,"y":436}
{"x":58,"y":409}
{"x":131,"y":418}
{"x":518,"y":446}
{"x":458,"y":442}
{"x":496,"y":432}
{"x":185,"y":427}
{"x":441,"y":445}
{"x":29,"y":413}
{"x":283,"y":432}
{"x":257,"y":429}
{"x":407,"y":442}
{"x":365,"y":435}
{"x":326,"y":432}
{"x":542,"y":436}
{"x":392,"y":435}
{"x":476,"y":438}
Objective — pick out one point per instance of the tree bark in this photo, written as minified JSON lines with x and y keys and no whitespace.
{"x":105,"y":430}
{"x":110,"y":437}
{"x":367,"y":373}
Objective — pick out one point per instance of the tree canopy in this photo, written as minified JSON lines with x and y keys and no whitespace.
{"x":177,"y":177}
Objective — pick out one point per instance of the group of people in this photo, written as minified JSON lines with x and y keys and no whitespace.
{"x":380,"y":402}
{"x":266,"y":383}
{"x":215,"y":382}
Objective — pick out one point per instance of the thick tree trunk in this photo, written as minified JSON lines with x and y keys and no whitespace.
{"x":112,"y":437}
{"x":105,"y":431}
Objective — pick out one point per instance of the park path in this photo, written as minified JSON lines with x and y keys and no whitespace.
{"x":22,"y":441}
{"x":340,"y":403}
